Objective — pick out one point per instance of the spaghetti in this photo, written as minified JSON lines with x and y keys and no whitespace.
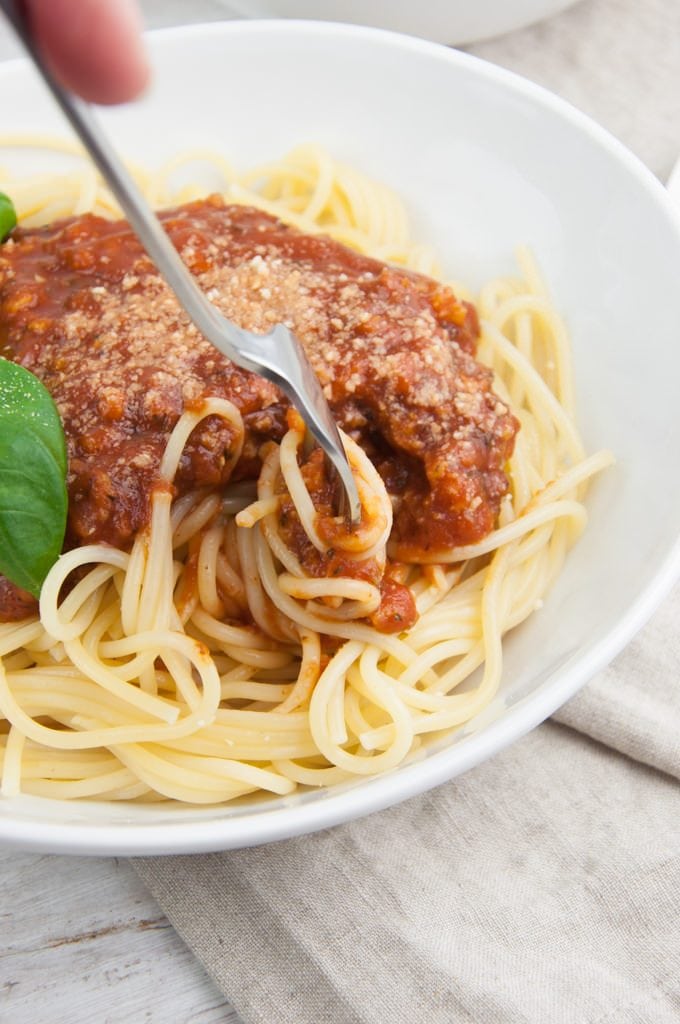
{"x":208,"y":661}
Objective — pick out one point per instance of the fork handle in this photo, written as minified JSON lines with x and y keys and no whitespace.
{"x":135,"y":207}
{"x":279,"y":356}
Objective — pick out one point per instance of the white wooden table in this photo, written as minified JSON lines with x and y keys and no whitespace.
{"x":81,"y":940}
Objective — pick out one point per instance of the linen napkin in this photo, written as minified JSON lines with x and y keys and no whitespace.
{"x":541,"y":887}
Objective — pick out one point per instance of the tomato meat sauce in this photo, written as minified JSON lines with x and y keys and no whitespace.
{"x":83,"y":308}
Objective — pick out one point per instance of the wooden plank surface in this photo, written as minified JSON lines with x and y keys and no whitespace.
{"x":81,"y":940}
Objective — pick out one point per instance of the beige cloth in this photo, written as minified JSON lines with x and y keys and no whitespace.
{"x":542,"y":887}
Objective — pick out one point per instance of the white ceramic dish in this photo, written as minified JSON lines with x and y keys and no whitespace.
{"x":445,"y":21}
{"x":485,"y":161}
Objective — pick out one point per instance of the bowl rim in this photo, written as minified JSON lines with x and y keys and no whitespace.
{"x":376,"y":793}
{"x":485,"y":27}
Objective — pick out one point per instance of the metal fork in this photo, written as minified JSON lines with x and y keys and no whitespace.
{"x":277,"y":355}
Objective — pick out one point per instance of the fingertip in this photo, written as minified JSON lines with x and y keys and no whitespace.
{"x":94,"y":47}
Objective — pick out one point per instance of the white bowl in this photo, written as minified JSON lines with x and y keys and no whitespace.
{"x":485,"y":161}
{"x":445,"y":21}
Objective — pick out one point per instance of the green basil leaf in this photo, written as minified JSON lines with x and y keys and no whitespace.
{"x":8,"y":216}
{"x":33,"y":498}
{"x":25,"y":400}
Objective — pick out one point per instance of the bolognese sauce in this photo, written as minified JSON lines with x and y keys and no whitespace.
{"x":83,"y":308}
